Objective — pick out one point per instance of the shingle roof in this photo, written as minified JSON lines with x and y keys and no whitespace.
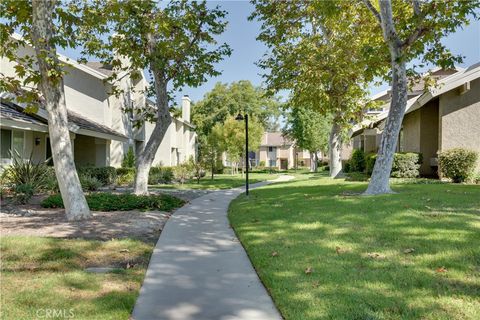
{"x":275,"y":139}
{"x":100,"y":67}
{"x":12,"y":111}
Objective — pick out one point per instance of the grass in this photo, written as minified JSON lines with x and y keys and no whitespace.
{"x":220,"y":181}
{"x":40,"y":274}
{"x":103,"y":201}
{"x":359,"y":249}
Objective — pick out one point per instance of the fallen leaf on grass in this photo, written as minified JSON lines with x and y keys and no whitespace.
{"x":315,"y":284}
{"x":374,"y":255}
{"x":309,"y":270}
{"x":274,"y":253}
{"x":124,"y":250}
{"x":409,"y":250}
{"x":441,"y":270}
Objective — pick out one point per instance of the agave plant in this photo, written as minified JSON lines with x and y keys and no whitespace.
{"x":27,"y":172}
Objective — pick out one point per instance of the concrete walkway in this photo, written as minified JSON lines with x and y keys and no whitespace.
{"x":200,"y":271}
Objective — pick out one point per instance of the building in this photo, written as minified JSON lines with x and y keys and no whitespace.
{"x":443,"y":117}
{"x":100,"y":130}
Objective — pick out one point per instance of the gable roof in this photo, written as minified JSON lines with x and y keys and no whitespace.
{"x":275,"y":139}
{"x":77,"y":123}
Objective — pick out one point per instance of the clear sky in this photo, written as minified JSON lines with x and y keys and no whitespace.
{"x":241,"y":36}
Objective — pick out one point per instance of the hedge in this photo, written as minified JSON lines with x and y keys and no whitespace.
{"x":357,"y":161}
{"x":106,"y":175}
{"x":160,"y":175}
{"x":457,"y":164}
{"x":405,"y":164}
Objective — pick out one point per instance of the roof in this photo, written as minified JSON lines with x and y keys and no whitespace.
{"x":444,"y":84}
{"x":275,"y":139}
{"x":77,"y":123}
{"x":101,"y":67}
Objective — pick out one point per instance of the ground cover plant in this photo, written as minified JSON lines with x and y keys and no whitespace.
{"x":121,"y":202}
{"x":326,"y":252}
{"x":40,"y":274}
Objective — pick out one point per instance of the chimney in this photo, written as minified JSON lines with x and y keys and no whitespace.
{"x":186,"y":108}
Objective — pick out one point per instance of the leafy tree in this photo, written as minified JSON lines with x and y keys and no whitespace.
{"x":231,"y":135}
{"x":322,"y":52}
{"x":226,"y":100}
{"x":173,"y":41}
{"x":46,"y":25}
{"x":129,"y":159}
{"x":411,"y":29}
{"x":310,"y":130}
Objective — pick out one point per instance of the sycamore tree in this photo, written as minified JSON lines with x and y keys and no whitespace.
{"x":231,"y":137}
{"x":310,"y":130}
{"x":38,"y":81}
{"x":322,"y":53}
{"x":174,"y":41}
{"x":411,"y":29}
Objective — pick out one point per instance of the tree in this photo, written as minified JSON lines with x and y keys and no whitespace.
{"x":226,"y":100}
{"x":310,"y":130}
{"x":174,"y":41}
{"x":322,"y":52}
{"x":231,"y":136}
{"x":39,"y":82}
{"x":411,"y":29}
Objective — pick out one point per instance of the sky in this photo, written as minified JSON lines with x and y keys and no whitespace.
{"x":241,"y":36}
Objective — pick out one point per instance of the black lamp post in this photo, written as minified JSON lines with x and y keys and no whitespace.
{"x":239,"y":117}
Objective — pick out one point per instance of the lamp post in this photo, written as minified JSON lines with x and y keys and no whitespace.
{"x":240,"y":117}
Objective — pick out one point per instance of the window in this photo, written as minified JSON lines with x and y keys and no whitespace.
{"x":272,"y":163}
{"x":270,"y":149}
{"x":6,"y":141}
{"x":11,"y":140}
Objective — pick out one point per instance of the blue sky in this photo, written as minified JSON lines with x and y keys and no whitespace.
{"x":241,"y":34}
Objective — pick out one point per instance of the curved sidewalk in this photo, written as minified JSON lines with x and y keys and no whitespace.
{"x":199,"y":270}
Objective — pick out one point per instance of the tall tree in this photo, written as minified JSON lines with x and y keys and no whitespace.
{"x":231,"y":135}
{"x":310,"y":130}
{"x":39,"y":82}
{"x":174,"y":41}
{"x":321,"y":52}
{"x":411,"y":29}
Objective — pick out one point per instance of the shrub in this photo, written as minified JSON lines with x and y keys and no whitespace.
{"x":346,"y":167}
{"x":51,"y":183}
{"x":357,"y":161}
{"x":23,"y":193}
{"x":125,"y":176}
{"x":261,"y":163}
{"x":160,"y":175}
{"x":106,"y":175}
{"x":121,"y":202}
{"x":26,"y":172}
{"x":406,"y":165}
{"x":181,"y":173}
{"x":89,"y":183}
{"x":370,"y":163}
{"x":129,"y":159}
{"x":476,"y":178}
{"x":196,"y":168}
{"x":457,"y":164}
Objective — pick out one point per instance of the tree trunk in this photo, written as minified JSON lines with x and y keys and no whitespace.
{"x":76,"y":207}
{"x":315,"y":166}
{"x":380,"y":180}
{"x":312,"y":169}
{"x":164,"y":119}
{"x":335,"y":145}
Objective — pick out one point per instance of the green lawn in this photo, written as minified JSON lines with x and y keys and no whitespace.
{"x":40,"y":274}
{"x":220,"y":181}
{"x":359,"y":249}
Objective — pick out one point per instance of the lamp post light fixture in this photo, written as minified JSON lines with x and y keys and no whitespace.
{"x":240,"y":117}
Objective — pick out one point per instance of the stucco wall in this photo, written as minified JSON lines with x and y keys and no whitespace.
{"x":411,"y":132}
{"x":460,"y":119}
{"x":429,"y":135}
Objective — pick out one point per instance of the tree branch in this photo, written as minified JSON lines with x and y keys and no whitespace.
{"x":421,"y":29}
{"x":370,"y":7}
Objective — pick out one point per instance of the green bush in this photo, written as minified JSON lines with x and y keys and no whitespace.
{"x":129,"y":159}
{"x":89,"y":183}
{"x":26,"y":172}
{"x":346,"y":167}
{"x":261,"y":163}
{"x":121,"y":202}
{"x":160,"y":175}
{"x":23,"y":193}
{"x":182,"y":173}
{"x":357,"y":161}
{"x":476,"y":178}
{"x":125,"y":176}
{"x":406,"y":165}
{"x":51,"y":183}
{"x":457,"y":164}
{"x":106,"y":175}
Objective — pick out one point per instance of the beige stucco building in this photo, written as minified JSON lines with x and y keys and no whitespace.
{"x":444,"y":117}
{"x":100,"y":130}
